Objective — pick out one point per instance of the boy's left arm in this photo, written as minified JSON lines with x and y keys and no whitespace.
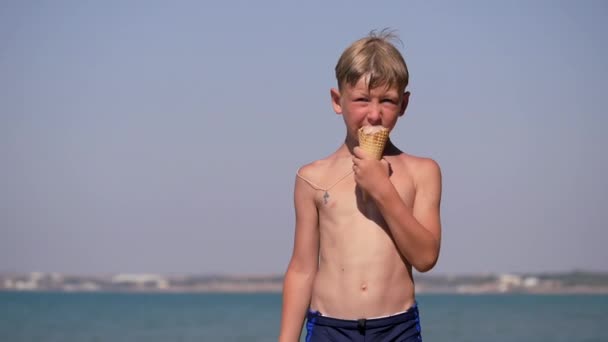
{"x":416,"y":230}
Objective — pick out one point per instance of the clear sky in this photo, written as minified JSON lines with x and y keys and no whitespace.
{"x":164,"y":136}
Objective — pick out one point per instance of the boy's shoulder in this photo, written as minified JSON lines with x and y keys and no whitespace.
{"x":315,"y":169}
{"x":420,"y":167}
{"x":425,"y":171}
{"x":417,"y":162}
{"x":319,"y":170}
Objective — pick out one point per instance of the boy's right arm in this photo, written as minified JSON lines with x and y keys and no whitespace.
{"x":298,"y":282}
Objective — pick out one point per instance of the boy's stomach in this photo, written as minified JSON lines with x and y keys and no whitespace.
{"x":362,"y":287}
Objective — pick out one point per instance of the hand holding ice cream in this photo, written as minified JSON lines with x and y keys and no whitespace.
{"x":372,"y":140}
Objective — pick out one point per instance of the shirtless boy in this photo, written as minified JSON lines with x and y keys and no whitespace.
{"x":362,"y":223}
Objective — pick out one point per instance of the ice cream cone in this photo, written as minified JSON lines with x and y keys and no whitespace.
{"x":372,"y":139}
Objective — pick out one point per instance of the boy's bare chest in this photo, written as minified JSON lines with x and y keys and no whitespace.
{"x":344,"y":200}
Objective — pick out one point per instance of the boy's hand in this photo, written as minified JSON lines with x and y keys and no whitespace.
{"x":370,"y":174}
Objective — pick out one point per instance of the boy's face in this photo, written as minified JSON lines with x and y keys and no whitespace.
{"x":360,"y":106}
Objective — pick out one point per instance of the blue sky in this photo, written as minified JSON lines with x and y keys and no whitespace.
{"x":157,"y":136}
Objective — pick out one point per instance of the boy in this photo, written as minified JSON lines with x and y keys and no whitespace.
{"x":362,"y":223}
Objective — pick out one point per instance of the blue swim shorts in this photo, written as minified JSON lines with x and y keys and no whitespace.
{"x":402,"y":327}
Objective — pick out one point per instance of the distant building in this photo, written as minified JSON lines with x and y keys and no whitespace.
{"x":531,"y":282}
{"x":507,"y":282}
{"x":141,"y":280}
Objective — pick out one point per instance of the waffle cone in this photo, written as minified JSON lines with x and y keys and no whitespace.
{"x":372,"y":139}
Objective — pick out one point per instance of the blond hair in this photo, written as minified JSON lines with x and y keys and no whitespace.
{"x":376,"y":58}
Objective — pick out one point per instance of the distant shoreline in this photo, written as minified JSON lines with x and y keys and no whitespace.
{"x":576,"y":282}
{"x":603,"y":292}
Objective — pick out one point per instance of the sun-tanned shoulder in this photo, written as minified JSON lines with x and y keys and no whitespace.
{"x":312,"y":169}
{"x":312,"y":173}
{"x":317,"y":172}
{"x":419,"y":163}
{"x":426,"y":172}
{"x":421,"y":168}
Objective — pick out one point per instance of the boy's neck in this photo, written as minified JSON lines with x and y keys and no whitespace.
{"x":350,"y":143}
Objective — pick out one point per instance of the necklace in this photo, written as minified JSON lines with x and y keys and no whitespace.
{"x":325,"y":190}
{"x":326,"y":193}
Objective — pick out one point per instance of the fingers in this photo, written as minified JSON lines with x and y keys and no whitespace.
{"x":356,"y":160}
{"x":357,"y":163}
{"x":360,"y":153}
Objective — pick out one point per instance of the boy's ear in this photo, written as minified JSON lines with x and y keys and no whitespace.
{"x":335,"y":100}
{"x":404,"y":102}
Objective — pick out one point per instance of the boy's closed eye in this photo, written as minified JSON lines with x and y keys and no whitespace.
{"x":391,"y":101}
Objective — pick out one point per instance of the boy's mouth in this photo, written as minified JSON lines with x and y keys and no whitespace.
{"x":372,"y":129}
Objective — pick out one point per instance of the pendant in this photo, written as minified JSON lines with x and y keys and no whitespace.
{"x":325,"y":197}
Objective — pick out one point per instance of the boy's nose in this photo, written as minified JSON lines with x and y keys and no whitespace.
{"x":374,"y":116}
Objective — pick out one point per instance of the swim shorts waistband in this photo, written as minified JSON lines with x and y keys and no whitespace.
{"x":355,"y":324}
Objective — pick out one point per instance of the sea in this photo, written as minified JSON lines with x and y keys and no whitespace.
{"x":116,"y":317}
